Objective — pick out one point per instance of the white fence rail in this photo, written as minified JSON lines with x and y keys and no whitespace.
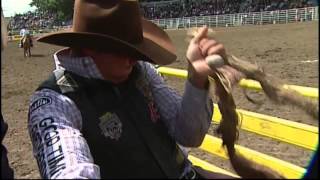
{"x":254,"y":18}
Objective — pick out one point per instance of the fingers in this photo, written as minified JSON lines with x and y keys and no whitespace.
{"x":202,"y":33}
{"x":217,"y":49}
{"x":206,"y":44}
{"x":202,"y":46}
{"x":211,"y":46}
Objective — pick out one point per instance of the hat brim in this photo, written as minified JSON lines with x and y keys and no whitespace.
{"x":147,"y":50}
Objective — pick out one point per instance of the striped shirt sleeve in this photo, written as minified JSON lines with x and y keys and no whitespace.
{"x":188,"y":117}
{"x":54,"y":125}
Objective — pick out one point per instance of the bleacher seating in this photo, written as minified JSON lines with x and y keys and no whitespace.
{"x":162,"y":9}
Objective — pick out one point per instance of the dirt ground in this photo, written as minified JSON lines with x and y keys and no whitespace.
{"x":281,"y":49}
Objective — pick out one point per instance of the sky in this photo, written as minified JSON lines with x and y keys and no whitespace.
{"x":10,"y":7}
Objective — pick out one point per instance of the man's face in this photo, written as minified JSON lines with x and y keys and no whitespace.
{"x":113,"y":67}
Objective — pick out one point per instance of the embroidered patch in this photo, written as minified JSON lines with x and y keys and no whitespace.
{"x":153,"y":112}
{"x":40,"y":102}
{"x":110,"y":125}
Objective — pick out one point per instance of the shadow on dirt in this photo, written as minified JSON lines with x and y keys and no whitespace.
{"x":37,"y":55}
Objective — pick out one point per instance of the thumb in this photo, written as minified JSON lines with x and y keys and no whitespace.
{"x":202,"y":32}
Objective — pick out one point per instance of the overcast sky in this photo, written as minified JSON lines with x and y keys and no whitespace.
{"x":10,"y":7}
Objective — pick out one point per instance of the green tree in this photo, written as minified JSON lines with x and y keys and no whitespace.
{"x":63,"y":8}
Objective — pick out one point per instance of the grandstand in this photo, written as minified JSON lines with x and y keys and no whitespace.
{"x":188,"y":8}
{"x":35,"y":21}
{"x":163,"y":9}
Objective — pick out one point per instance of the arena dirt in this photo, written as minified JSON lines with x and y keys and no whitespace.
{"x":281,"y":49}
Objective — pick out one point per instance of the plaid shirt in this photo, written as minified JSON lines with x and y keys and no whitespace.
{"x":55,"y":122}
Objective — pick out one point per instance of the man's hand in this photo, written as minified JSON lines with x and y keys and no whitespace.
{"x":199,"y":48}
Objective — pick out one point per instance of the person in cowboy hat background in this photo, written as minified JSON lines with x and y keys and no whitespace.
{"x":23,"y":33}
{"x":106,"y":113}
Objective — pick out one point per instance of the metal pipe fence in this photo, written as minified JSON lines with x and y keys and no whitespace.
{"x":240,"y":19}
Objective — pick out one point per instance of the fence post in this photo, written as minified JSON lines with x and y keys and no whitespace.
{"x":305,"y":14}
{"x":286,"y":16}
{"x":216,"y":20}
{"x":236,"y":19}
{"x":177,"y":23}
{"x":183,"y":22}
{"x":252,"y":19}
{"x":196,"y":18}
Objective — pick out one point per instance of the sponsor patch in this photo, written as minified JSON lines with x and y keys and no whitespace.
{"x":40,"y":102}
{"x":47,"y":148}
{"x":110,"y":126}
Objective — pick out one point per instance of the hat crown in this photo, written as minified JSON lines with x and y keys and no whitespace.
{"x":118,"y":18}
{"x":115,"y":26}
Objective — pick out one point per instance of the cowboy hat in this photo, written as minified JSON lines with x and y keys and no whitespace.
{"x":115,"y":25}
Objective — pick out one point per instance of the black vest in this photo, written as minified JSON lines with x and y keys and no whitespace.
{"x":117,"y":126}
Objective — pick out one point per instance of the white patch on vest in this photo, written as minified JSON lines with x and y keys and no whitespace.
{"x":110,"y":126}
{"x":66,"y":84}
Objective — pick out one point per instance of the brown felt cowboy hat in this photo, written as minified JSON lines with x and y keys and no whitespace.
{"x":115,"y":25}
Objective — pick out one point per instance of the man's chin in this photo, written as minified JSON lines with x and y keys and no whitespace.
{"x":119,"y":79}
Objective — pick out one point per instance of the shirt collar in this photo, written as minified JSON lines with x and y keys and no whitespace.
{"x":82,"y":66}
